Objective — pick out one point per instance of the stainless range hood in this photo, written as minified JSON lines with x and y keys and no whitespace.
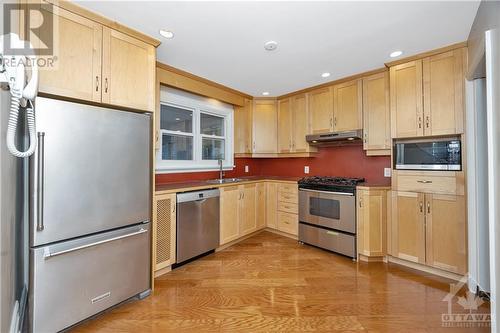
{"x":335,"y":138}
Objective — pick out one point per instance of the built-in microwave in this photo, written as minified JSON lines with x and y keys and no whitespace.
{"x":434,"y":154}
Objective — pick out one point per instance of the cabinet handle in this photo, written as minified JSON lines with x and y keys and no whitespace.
{"x":97,"y":83}
{"x":334,"y":121}
{"x":421,"y":207}
{"x":360,"y":203}
{"x":366,"y":136}
{"x":419,"y":122}
{"x":331,"y":122}
{"x":428,"y":207}
{"x":173,"y":208}
{"x":106,"y":85}
{"x":424,"y":181}
{"x":427,"y":120}
{"x":254,"y":145}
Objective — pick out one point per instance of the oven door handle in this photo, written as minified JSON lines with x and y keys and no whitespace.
{"x":327,"y":192}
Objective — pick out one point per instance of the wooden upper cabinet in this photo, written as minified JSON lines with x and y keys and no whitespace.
{"x":347,"y":109}
{"x":376,"y":114}
{"x":406,"y":100}
{"x":265,"y":127}
{"x":301,"y":125}
{"x":321,"y":110}
{"x":408,"y":229}
{"x":243,"y":128}
{"x":443,"y":80}
{"x":285,"y":124}
{"x":128,"y":71}
{"x":446,"y":239}
{"x":77,"y":71}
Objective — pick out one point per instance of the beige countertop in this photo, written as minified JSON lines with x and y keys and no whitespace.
{"x":202,"y":184}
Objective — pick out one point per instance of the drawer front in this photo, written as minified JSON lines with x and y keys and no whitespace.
{"x":326,"y":239}
{"x":73,"y":280}
{"x":288,"y":207}
{"x":428,"y":184}
{"x":288,"y":188}
{"x":288,"y":197}
{"x":288,"y":223}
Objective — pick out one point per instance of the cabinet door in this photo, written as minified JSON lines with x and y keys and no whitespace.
{"x":272,"y":205}
{"x":406,"y":100}
{"x":347,"y":110}
{"x":77,"y":71}
{"x":446,"y":232}
{"x":243,"y":128}
{"x":265,"y":127}
{"x":321,"y":110}
{"x":443,"y":79}
{"x":261,"y":205}
{"x":164,"y":226}
{"x":285,"y":126}
{"x":301,"y":126}
{"x":376,"y":113}
{"x":128,"y":71}
{"x":248,"y":220}
{"x":360,"y":217}
{"x":408,"y":226}
{"x":229,"y":214}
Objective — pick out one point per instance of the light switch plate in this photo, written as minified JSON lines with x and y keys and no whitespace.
{"x":306,"y":169}
{"x":246,"y":168}
{"x":387,"y":172}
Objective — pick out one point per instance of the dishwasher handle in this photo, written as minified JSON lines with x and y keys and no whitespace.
{"x":197,"y":196}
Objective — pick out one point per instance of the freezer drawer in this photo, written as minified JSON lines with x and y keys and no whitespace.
{"x":328,"y":239}
{"x":73,"y":280}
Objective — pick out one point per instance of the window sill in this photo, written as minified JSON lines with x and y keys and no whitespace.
{"x":189,"y":170}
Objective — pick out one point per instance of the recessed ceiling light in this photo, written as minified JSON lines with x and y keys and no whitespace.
{"x":271,"y":45}
{"x":395,"y":54}
{"x":265,"y":93}
{"x":326,"y":74}
{"x":177,"y":119}
{"x":167,"y":34}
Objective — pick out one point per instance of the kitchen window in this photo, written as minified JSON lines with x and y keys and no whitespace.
{"x":194,"y":133}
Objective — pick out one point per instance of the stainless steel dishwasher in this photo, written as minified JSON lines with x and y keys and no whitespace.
{"x":197,"y":223}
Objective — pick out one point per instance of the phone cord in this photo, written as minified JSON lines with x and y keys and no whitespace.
{"x":15,"y":103}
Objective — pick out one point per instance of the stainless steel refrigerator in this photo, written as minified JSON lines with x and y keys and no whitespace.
{"x":90,"y":199}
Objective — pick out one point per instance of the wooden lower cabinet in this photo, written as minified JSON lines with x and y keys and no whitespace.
{"x":372,"y":222}
{"x":287,"y":207}
{"x":164,"y":226}
{"x":272,"y":205}
{"x":261,"y":202}
{"x":429,"y":229}
{"x":248,"y":221}
{"x":288,"y":222}
{"x":229,"y":214}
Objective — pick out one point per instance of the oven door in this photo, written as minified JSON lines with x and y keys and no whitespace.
{"x":328,"y":209}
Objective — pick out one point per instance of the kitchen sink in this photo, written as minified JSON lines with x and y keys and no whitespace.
{"x":225,"y":180}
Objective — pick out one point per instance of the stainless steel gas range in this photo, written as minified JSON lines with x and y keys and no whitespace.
{"x":327,"y":213}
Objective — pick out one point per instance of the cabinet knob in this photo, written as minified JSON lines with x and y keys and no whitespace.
{"x":428,"y":207}
{"x":97,"y":83}
{"x":106,"y":85}
{"x":421,"y":207}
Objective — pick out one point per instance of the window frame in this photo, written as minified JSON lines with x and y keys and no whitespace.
{"x":198,"y":105}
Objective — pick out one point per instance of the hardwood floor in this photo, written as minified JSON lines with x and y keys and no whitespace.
{"x":269,"y":283}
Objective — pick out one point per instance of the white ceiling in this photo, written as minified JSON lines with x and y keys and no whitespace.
{"x":223,"y":41}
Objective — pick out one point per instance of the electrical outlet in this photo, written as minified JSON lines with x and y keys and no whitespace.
{"x":387,"y":172}
{"x":306,"y":169}
{"x":246,"y":168}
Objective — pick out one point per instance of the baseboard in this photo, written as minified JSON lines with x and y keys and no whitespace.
{"x":236,"y":241}
{"x":281,"y":233}
{"x":162,"y":271}
{"x":425,"y":268}
{"x":365,"y":258}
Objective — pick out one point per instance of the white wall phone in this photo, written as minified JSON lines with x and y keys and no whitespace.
{"x":13,"y":72}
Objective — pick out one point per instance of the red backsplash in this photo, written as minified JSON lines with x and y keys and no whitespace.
{"x":347,"y":161}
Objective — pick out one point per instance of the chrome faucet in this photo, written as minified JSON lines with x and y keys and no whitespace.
{"x":221,"y":173}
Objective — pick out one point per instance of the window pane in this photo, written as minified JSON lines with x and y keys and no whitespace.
{"x":213,"y":149}
{"x":176,"y":119}
{"x":212,"y":125}
{"x":177,"y":147}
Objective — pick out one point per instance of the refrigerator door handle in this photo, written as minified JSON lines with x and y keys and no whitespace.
{"x":48,"y":254}
{"x":40,"y":181}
